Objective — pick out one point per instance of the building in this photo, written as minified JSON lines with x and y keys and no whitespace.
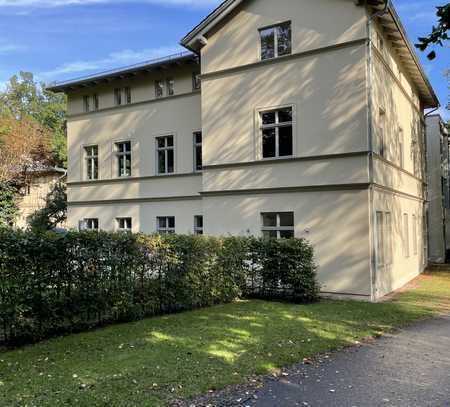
{"x":438,"y":189}
{"x":308,"y":123}
{"x":39,"y":183}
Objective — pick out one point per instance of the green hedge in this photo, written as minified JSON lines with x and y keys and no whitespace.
{"x":52,"y":283}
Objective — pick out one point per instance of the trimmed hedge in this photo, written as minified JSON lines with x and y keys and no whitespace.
{"x":52,"y":283}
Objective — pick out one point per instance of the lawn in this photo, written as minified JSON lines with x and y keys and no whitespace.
{"x":151,"y":362}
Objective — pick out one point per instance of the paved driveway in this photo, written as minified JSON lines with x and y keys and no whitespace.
{"x":408,"y":369}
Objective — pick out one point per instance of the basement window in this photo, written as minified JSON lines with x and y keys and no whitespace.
{"x":198,"y":225}
{"x":276,"y":225}
{"x":89,"y":224}
{"x":165,"y":225}
{"x":276,"y":41}
{"x":124,"y":224}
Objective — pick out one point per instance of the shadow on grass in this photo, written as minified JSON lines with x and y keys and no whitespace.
{"x":150,"y":362}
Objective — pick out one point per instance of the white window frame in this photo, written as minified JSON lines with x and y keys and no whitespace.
{"x":166,"y":229}
{"x":195,"y":145}
{"x":196,"y":81}
{"x":274,"y":27}
{"x":401,"y":148}
{"x":165,"y":149}
{"x":406,"y":248}
{"x":128,"y":224}
{"x":162,"y":88}
{"x":121,"y":154}
{"x":118,"y":97}
{"x":198,"y":230}
{"x":127,"y":95}
{"x":86,"y":104}
{"x":384,"y":253}
{"x":95,"y":102}
{"x":89,"y":223}
{"x":170,"y":86}
{"x":260,"y":127}
{"x":277,"y":228}
{"x":94,"y":160}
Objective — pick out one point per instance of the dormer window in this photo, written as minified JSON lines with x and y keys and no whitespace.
{"x":276,"y":41}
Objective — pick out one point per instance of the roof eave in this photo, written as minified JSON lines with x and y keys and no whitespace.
{"x":127,"y":72}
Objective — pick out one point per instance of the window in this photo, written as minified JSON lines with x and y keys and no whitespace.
{"x":165,"y":224}
{"x":127,"y":92}
{"x":91,"y":157}
{"x":88,"y":224}
{"x":170,"y":87}
{"x":123,"y":154}
{"x":159,"y":89}
{"x":380,"y":239}
{"x":118,"y":96}
{"x":401,"y":148}
{"x":123,"y":224}
{"x":198,"y":165}
{"x":414,"y":235}
{"x":198,"y":225}
{"x":406,"y":235}
{"x":384,"y":239}
{"x":381,"y":135}
{"x":86,"y":104}
{"x":278,"y":225}
{"x":95,"y":101}
{"x":388,"y":238}
{"x":276,"y":41}
{"x":165,"y":154}
{"x":276,"y":130}
{"x":196,"y":82}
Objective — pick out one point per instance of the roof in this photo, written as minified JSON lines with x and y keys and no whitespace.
{"x":390,"y":21}
{"x":130,"y":71}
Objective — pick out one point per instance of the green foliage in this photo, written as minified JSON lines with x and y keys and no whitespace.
{"x":439,"y":33}
{"x":24,"y":98}
{"x":8,"y":207}
{"x":54,"y":212}
{"x":52,"y":283}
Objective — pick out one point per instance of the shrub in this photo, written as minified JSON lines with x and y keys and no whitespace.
{"x":52,"y":283}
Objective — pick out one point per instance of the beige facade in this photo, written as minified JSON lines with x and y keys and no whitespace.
{"x":34,"y":193}
{"x":341,"y":97}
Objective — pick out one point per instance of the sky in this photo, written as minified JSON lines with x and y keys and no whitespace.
{"x":65,"y":39}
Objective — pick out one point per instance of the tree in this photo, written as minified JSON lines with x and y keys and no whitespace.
{"x":439,"y":33}
{"x":8,"y":206}
{"x":24,"y":144}
{"x":54,"y":212}
{"x":25,"y":99}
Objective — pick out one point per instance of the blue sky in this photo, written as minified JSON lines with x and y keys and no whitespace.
{"x":62,"y":39}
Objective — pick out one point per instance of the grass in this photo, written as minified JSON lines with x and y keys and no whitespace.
{"x":151,"y":362}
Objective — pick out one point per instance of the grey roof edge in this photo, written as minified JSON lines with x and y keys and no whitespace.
{"x":112,"y":73}
{"x":412,"y":51}
{"x":207,"y":20}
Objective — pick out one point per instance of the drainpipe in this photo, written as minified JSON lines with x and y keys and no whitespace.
{"x":372,"y":217}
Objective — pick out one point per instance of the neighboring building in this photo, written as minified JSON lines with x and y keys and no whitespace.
{"x":438,"y":189}
{"x":40,"y":182}
{"x":309,"y":123}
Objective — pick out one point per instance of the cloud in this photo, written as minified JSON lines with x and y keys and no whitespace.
{"x":10,"y":48}
{"x":60,"y":3}
{"x":113,"y":60}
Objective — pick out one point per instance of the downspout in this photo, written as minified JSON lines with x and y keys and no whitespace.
{"x":372,"y":217}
